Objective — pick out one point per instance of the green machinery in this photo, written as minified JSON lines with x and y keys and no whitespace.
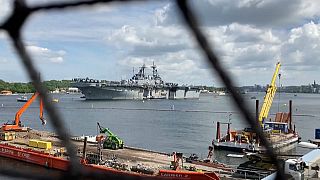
{"x":111,"y":141}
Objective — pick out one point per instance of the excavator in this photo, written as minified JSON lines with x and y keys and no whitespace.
{"x":111,"y":141}
{"x":271,"y":91}
{"x":16,"y":125}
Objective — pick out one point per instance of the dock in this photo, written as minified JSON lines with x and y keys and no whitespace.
{"x":120,"y":158}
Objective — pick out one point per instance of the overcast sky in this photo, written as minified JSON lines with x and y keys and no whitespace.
{"x":107,"y":41}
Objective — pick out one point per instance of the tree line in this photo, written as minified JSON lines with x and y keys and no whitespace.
{"x":18,"y":87}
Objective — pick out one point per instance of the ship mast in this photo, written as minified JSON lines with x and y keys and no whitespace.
{"x":142,"y":70}
{"x":154,"y":70}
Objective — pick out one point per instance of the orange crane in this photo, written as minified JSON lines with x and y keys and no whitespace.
{"x":16,"y":126}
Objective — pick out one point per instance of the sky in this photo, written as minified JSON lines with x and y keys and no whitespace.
{"x":109,"y":41}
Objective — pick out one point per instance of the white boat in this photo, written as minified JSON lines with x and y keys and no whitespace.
{"x":22,"y":99}
{"x":235,"y":155}
{"x":221,"y":93}
{"x":308,"y":145}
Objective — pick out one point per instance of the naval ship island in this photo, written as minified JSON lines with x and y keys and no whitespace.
{"x":140,"y":86}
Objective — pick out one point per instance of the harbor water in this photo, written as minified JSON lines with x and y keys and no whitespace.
{"x":186,"y":126}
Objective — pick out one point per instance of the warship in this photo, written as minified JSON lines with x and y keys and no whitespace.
{"x":140,"y":86}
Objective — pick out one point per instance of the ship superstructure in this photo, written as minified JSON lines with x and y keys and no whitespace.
{"x":140,"y":86}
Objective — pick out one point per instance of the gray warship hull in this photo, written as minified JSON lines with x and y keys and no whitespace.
{"x":97,"y":93}
{"x":112,"y":92}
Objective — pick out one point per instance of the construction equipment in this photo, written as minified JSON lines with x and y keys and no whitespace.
{"x":177,"y":157}
{"x":268,"y":98}
{"x":111,"y":141}
{"x":16,"y":125}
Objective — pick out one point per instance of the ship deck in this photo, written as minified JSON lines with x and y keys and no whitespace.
{"x":278,"y":141}
{"x":129,"y":155}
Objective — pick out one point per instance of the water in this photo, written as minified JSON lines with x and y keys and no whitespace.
{"x":153,"y":124}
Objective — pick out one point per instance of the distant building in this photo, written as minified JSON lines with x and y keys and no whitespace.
{"x":5,"y":92}
{"x":73,"y":90}
{"x":55,"y":91}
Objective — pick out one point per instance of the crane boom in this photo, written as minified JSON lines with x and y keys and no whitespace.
{"x":105,"y":130}
{"x":268,"y":98}
{"x":17,"y":125}
{"x":25,"y":107}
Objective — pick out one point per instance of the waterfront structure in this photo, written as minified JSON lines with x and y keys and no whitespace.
{"x":5,"y":92}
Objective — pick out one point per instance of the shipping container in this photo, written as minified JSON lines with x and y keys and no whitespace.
{"x":317,"y":134}
{"x":44,"y":145}
{"x":33,"y":143}
{"x":7,"y":136}
{"x":276,"y":126}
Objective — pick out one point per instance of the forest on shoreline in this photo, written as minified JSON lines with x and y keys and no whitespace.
{"x":18,"y":87}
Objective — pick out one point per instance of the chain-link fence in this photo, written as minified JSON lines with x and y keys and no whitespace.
{"x":13,"y":25}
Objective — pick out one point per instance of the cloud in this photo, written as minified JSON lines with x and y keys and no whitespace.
{"x":263,"y":13}
{"x":5,"y":9}
{"x":149,"y":41}
{"x":243,"y":48}
{"x":46,"y":55}
{"x":301,"y":50}
{"x":3,"y":60}
{"x":249,"y":37}
{"x":177,"y":67}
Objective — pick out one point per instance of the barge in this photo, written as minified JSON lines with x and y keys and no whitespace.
{"x":279,"y":132}
{"x":55,"y":157}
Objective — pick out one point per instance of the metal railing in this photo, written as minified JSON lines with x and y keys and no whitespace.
{"x":13,"y":24}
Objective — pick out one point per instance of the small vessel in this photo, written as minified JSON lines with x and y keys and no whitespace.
{"x":235,"y":155}
{"x":308,"y":145}
{"x":221,"y":93}
{"x":55,"y":100}
{"x":22,"y":99}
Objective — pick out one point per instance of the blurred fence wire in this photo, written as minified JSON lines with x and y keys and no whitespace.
{"x":13,"y":26}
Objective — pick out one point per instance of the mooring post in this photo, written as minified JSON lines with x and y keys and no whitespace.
{"x":290,"y":114}
{"x":84,"y":148}
{"x":218,"y":131}
{"x":257,"y":110}
{"x":228,"y":132}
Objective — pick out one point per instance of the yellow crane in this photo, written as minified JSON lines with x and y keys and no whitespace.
{"x":268,"y":98}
